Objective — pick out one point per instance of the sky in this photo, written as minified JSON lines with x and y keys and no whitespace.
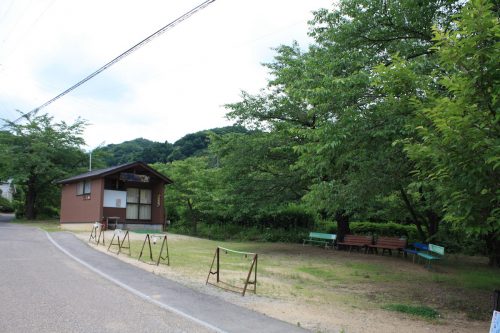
{"x":174,"y":85}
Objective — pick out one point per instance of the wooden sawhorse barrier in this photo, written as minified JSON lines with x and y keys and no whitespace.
{"x":164,"y":245}
{"x":93,"y":234}
{"x":125,"y":236}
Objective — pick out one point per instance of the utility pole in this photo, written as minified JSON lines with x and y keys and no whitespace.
{"x":90,"y":154}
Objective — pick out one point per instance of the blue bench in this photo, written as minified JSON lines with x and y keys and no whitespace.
{"x":415,"y":248}
{"x":321,"y":238}
{"x":434,"y":252}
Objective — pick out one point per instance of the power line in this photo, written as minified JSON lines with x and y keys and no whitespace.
{"x":118,"y":58}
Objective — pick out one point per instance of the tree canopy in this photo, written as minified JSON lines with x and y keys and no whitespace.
{"x":37,"y":152}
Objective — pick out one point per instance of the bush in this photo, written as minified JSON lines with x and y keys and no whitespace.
{"x":239,"y":233}
{"x":390,"y":229}
{"x":6,"y":206}
{"x":288,"y":218}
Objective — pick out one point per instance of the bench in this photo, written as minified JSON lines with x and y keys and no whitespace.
{"x":389,"y":244}
{"x":321,"y":238}
{"x":415,"y":248}
{"x":356,"y":241}
{"x":434,"y":252}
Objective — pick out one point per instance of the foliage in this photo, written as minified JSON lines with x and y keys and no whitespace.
{"x":196,"y":144}
{"x":147,"y":151}
{"x":6,"y":206}
{"x":38,"y":152}
{"x":255,"y":170}
{"x":135,"y":150}
{"x":420,"y":311}
{"x":391,"y":116}
{"x":458,"y":146}
{"x":237,"y":232}
{"x":339,"y":121}
{"x":193,"y":193}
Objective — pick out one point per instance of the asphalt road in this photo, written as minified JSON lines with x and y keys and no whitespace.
{"x":43,"y":290}
{"x":56,"y":283}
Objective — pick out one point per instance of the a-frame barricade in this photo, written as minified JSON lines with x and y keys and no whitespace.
{"x":124,"y":236}
{"x":226,"y":286}
{"x":94,"y":237}
{"x":161,"y":255}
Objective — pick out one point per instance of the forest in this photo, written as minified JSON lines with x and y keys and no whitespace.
{"x":387,"y":123}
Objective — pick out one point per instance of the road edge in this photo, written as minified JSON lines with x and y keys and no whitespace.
{"x":133,"y":290}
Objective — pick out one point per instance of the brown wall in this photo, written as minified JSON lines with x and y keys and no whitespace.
{"x":74,"y":208}
{"x":158,"y":213}
{"x":115,"y":212}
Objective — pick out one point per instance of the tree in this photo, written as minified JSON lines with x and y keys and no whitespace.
{"x":327,"y":96}
{"x":458,"y":147}
{"x":256,"y":170}
{"x":36,"y":153}
{"x":193,"y":190}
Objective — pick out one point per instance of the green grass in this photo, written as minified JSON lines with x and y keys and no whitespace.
{"x":47,"y":225}
{"x":419,"y":311}
{"x":321,"y":273}
{"x":337,"y":278}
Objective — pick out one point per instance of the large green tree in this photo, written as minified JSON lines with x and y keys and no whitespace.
{"x":328,"y":98}
{"x":193,"y":195}
{"x":38,"y":151}
{"x":458,"y":146}
{"x":257,"y":172}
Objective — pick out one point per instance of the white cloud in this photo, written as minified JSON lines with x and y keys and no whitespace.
{"x":176,"y":84}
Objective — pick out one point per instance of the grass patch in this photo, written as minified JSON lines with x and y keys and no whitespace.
{"x":419,"y":311}
{"x":47,"y":225}
{"x":324,"y":274}
{"x":479,"y":279}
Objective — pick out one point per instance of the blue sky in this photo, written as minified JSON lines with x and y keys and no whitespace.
{"x":176,"y":84}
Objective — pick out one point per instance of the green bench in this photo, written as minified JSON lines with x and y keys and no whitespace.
{"x":321,"y":238}
{"x":434,"y":252}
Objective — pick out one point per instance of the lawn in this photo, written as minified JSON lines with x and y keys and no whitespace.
{"x":458,"y":284}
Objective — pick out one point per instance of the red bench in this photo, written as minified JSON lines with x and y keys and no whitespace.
{"x":389,"y":244}
{"x":356,"y":241}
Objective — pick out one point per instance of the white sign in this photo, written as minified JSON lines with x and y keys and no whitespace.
{"x":495,"y":322}
{"x":115,"y":199}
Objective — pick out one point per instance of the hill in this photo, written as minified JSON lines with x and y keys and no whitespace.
{"x":140,"y":149}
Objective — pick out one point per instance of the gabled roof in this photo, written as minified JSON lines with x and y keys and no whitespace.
{"x":111,"y":170}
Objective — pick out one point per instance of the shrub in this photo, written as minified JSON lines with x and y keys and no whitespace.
{"x":239,"y":233}
{"x":379,"y":229}
{"x":288,"y":218}
{"x":6,"y":206}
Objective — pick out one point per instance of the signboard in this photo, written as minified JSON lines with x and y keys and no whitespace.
{"x":495,"y":322}
{"x":115,"y":199}
{"x":132,"y":177}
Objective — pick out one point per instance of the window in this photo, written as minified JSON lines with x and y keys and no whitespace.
{"x":83,"y":188}
{"x":138,"y":204}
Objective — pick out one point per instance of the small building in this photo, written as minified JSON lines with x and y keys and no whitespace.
{"x":128,"y":196}
{"x":7,"y":190}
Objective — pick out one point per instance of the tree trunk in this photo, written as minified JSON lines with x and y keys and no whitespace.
{"x":342,"y":224}
{"x":433,"y":220}
{"x":493,"y":247}
{"x":192,"y":217}
{"x":30,"y":200}
{"x":413,"y":214}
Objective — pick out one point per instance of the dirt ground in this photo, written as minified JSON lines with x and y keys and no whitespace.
{"x":316,"y":315}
